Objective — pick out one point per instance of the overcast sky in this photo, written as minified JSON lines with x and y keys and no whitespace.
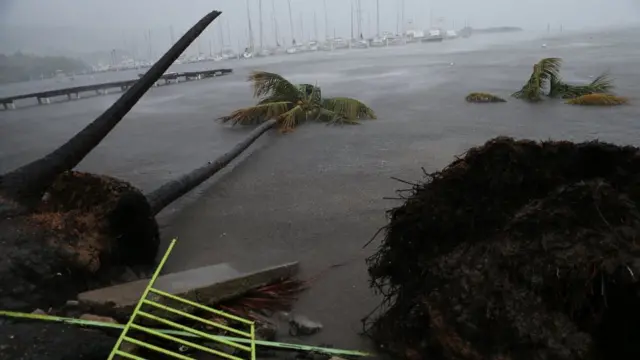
{"x":92,"y":25}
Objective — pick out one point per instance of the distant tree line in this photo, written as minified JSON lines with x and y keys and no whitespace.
{"x":23,"y":67}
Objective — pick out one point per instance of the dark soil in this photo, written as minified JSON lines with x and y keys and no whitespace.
{"x":517,"y":250}
{"x":85,"y":231}
{"x":37,"y":341}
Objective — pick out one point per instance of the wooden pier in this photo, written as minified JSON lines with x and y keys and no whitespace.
{"x":44,"y":97}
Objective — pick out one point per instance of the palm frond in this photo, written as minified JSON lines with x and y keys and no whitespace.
{"x":269,"y":84}
{"x":479,"y":97}
{"x":602,"y":84}
{"x":311,"y":92}
{"x":545,"y":70}
{"x":348,"y":109}
{"x":598,"y":100}
{"x":292,"y":118}
{"x":258,"y":114}
{"x":332,"y":118}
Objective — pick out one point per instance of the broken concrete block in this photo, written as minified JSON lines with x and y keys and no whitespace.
{"x":207,"y":286}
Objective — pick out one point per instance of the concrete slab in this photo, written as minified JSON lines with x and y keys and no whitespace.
{"x":206,"y":285}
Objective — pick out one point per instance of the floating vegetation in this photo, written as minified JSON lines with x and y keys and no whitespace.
{"x":598,"y":100}
{"x":480,"y":97}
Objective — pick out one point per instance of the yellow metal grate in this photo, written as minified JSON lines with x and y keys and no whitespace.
{"x":249,"y":350}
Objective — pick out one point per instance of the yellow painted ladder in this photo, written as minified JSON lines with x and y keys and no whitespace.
{"x":249,"y":350}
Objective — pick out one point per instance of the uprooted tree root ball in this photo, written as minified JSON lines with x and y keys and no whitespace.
{"x":87,"y":227}
{"x":517,"y":250}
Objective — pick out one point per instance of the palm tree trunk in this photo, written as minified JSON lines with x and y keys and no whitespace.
{"x":28,"y":183}
{"x":174,"y":189}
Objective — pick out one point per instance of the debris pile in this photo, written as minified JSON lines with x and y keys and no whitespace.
{"x":517,"y":250}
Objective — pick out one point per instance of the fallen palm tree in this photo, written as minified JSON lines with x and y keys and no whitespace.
{"x":281,"y":104}
{"x":517,"y":250}
{"x":545,"y":81}
{"x":62,"y":231}
{"x":285,"y":105}
{"x":598,"y":100}
{"x":543,"y":71}
{"x":480,"y":97}
{"x":602,"y":84}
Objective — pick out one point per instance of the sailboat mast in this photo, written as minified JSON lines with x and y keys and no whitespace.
{"x":326,"y":21}
{"x":404,"y":23}
{"x":150,"y":46}
{"x":378,"y":18}
{"x":275,"y":21}
{"x":222,"y":36}
{"x":222,"y":39}
{"x":315,"y":25}
{"x":359,"y":18}
{"x":293,"y":38}
{"x":261,"y":30}
{"x":301,"y":27}
{"x":250,"y":29}
{"x":352,"y":19}
{"x":228,"y":33}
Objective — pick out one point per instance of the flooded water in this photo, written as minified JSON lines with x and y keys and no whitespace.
{"x":316,"y":195}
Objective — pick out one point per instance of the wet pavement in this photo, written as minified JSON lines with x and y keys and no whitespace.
{"x":316,"y":195}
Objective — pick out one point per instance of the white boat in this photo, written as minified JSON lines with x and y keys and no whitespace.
{"x":292,"y":50}
{"x":414,"y":35}
{"x":247,"y":55}
{"x":434,"y":35}
{"x":450,"y":34}
{"x":263,"y":53}
{"x":359,"y":44}
{"x":377,"y":42}
{"x":313,"y":46}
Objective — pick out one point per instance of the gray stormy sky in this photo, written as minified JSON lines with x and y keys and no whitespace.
{"x":55,"y":26}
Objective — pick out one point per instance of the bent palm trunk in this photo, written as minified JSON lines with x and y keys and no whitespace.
{"x":174,"y":189}
{"x":28,"y":183}
{"x":88,"y":227}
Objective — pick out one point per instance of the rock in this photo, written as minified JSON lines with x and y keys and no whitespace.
{"x":72,"y":303}
{"x":39,"y":312}
{"x":301,"y":325}
{"x":266,"y":331}
{"x":91,"y":317}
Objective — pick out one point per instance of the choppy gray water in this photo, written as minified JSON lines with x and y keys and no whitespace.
{"x":316,"y":195}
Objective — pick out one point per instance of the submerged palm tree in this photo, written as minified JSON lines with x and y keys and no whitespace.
{"x":543,"y":72}
{"x":546,"y":75}
{"x":288,"y":105}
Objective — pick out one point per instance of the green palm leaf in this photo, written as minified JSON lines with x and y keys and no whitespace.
{"x":292,"y":118}
{"x":269,"y":84}
{"x":545,"y":70}
{"x":259,"y":113}
{"x":348,"y":109}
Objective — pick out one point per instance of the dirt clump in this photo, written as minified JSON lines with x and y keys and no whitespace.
{"x":87,"y":229}
{"x":516,"y":250}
